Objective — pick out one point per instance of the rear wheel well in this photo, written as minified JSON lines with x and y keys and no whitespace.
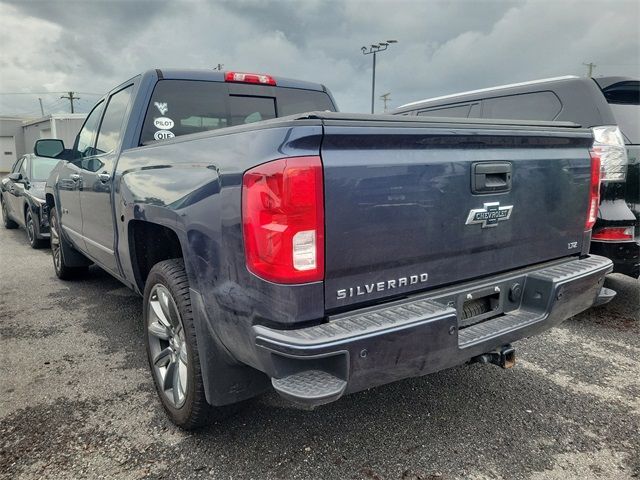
{"x":150,"y":243}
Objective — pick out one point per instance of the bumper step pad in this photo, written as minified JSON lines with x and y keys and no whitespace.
{"x":310,"y":387}
{"x":491,"y":328}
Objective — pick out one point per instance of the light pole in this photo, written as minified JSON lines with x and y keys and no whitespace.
{"x":380,"y":47}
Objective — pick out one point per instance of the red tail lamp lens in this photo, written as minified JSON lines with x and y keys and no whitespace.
{"x":283,"y":220}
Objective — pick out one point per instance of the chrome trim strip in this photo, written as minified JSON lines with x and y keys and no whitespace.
{"x":88,"y":240}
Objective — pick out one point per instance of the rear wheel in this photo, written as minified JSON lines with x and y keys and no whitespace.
{"x":8,"y":223}
{"x":32,"y":230}
{"x":63,"y":271}
{"x":172,"y":349}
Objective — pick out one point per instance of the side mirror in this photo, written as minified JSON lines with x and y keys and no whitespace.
{"x":48,"y":147}
{"x":15,"y":177}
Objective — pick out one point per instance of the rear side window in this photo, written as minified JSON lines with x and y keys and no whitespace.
{"x":181,"y":107}
{"x":526,"y":106}
{"x":624,"y":100}
{"x":460,"y":111}
{"x":623,"y":93}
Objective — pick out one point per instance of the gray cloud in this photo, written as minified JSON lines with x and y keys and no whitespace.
{"x":444,"y":46}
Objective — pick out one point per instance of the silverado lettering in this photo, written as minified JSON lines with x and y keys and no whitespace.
{"x":381,"y":286}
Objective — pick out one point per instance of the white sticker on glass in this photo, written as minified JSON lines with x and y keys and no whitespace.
{"x":163,"y":135}
{"x":163,"y":123}
{"x":162,"y":107}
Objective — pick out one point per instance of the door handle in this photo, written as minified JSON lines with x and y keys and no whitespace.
{"x":75,"y":177}
{"x":104,"y":177}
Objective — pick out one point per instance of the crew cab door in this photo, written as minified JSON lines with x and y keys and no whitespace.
{"x":96,"y":199}
{"x":70,"y":179}
{"x":15,"y":191}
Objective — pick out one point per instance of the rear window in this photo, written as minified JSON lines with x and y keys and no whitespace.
{"x":624,"y":100}
{"x":525,"y":106}
{"x":181,"y":107}
{"x":295,"y":100}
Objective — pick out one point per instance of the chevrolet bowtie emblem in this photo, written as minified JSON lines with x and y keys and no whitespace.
{"x":490,"y":215}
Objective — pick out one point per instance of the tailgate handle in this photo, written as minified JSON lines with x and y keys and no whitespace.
{"x":490,"y":177}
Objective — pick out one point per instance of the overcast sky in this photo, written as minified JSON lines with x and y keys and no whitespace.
{"x":444,"y":46}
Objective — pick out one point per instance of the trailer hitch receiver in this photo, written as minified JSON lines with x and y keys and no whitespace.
{"x":504,"y":357}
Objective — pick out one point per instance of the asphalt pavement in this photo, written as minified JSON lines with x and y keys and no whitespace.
{"x":77,"y":401}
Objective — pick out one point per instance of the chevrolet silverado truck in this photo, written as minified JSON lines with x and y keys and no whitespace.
{"x":281,"y":245}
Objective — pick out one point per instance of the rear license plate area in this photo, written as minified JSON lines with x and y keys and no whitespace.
{"x":478,"y":306}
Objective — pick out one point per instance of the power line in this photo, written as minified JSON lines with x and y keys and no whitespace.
{"x":48,"y":93}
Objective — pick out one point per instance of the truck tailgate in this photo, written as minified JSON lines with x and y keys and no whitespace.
{"x":413,"y":206}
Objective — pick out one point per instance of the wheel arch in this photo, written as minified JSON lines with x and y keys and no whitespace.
{"x":149,"y":244}
{"x":50,"y":199}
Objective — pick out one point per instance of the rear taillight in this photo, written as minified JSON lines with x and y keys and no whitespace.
{"x":594,"y":191}
{"x":608,"y":142}
{"x":283,"y":220}
{"x":242,"y":77}
{"x":613,"y":234}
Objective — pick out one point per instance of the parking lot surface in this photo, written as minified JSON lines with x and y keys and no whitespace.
{"x":77,"y":401}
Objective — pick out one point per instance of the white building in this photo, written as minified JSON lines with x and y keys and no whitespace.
{"x":17,"y":135}
{"x":11,"y":141}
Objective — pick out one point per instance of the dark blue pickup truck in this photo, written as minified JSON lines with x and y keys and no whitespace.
{"x":279,"y":244}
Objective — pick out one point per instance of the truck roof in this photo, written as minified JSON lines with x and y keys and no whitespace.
{"x":481,"y":93}
{"x":218,"y":76}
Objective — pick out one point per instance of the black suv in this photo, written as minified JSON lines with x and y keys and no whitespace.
{"x":610,"y":106}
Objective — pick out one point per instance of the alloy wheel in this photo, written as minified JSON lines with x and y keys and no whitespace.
{"x":167,"y":345}
{"x":31,"y":232}
{"x":55,"y":243}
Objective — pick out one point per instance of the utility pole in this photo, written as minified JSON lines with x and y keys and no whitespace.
{"x":386,"y":98}
{"x":373,"y":49}
{"x":218,"y":67}
{"x":41,"y":109}
{"x":591,"y":66}
{"x":71,"y":98}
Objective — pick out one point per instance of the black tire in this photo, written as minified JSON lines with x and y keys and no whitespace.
{"x":194,"y":412}
{"x":8,"y":223}
{"x":33,"y":230}
{"x":63,"y":271}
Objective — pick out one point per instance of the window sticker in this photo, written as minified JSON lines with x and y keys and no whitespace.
{"x":163,"y":123}
{"x":162,"y":107}
{"x":163,"y":135}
